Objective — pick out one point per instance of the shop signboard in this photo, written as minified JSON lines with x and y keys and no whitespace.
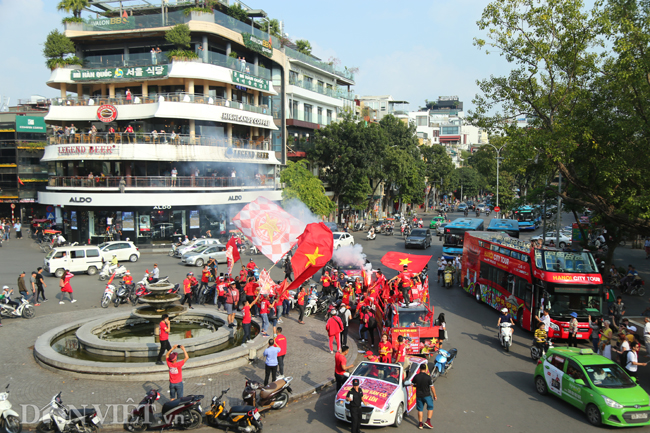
{"x":128,"y":224}
{"x":145,"y":223}
{"x":123,"y":22}
{"x":194,"y":219}
{"x":73,"y":220}
{"x":258,"y":45}
{"x":30,"y":124}
{"x":126,"y":74}
{"x":249,"y":80}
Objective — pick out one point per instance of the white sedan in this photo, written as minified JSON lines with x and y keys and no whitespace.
{"x":562,"y":242}
{"x":342,"y":239}
{"x":387,"y":396}
{"x":195,"y":244}
{"x":125,"y":251}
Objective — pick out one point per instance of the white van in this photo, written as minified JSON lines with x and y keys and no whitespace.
{"x":75,"y":259}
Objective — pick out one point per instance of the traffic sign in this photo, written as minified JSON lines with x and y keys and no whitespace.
{"x":13,"y":206}
{"x":50,"y":215}
{"x":49,"y":209}
{"x":497,"y":209}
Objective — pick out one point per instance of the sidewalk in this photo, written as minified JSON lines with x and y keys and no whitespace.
{"x":624,"y":256}
{"x":308,"y":361}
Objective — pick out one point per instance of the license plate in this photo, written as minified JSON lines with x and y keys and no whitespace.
{"x":639,"y":416}
{"x":94,"y":420}
{"x":256,"y":415}
{"x":578,"y":335}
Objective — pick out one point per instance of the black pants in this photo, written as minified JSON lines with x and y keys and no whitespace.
{"x":164,"y":346}
{"x":405,"y":294}
{"x":573,"y":341}
{"x":188,"y":298}
{"x":287,"y":276}
{"x":301,"y":308}
{"x":247,"y":332}
{"x":355,"y":415}
{"x":19,"y":234}
{"x":271,"y":371}
{"x":371,"y":332}
{"x":202,"y":286}
{"x":39,"y":291}
{"x":344,"y":336}
{"x":340,"y":380}
{"x":281,"y":365}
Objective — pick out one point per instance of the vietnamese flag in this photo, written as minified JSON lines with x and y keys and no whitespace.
{"x":20,"y":181}
{"x":232,"y":254}
{"x":315,"y":247}
{"x":396,"y":260}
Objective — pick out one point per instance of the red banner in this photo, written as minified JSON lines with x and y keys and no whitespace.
{"x":315,"y":247}
{"x":396,"y":260}
{"x":232,"y":253}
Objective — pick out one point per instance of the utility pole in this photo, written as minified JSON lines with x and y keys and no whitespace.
{"x":559,"y":208}
{"x":544,"y":220}
{"x":498,"y":150}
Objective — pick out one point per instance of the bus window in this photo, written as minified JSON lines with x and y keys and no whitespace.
{"x":520,"y":288}
{"x":494,"y":248}
{"x":528,"y":299}
{"x":538,"y":259}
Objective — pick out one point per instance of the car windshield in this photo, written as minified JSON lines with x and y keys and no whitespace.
{"x":412,"y":317}
{"x":50,"y":254}
{"x":388,"y":373}
{"x":561,"y":261}
{"x":337,"y":235}
{"x":609,"y":376}
{"x":420,"y":233}
{"x":201,"y":248}
{"x":350,"y":268}
{"x":102,"y":245}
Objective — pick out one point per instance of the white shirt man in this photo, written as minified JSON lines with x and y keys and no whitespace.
{"x":60,"y":239}
{"x":632,"y":357}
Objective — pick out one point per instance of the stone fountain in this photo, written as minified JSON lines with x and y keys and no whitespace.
{"x":159,"y":302}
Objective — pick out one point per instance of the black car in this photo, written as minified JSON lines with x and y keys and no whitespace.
{"x":418,"y":238}
{"x":470,"y":205}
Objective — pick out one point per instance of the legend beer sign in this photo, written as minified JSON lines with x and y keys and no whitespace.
{"x":87,"y":150}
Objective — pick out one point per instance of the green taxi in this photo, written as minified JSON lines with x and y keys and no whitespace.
{"x":594,"y":384}
{"x":436,"y":221}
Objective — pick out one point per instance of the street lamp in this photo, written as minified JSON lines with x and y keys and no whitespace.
{"x":498,"y":150}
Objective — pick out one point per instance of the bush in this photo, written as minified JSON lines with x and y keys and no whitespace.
{"x":56,"y":47}
{"x":72,"y":20}
{"x":237,"y":12}
{"x":187,"y":12}
{"x":179,"y":35}
{"x":182,"y":55}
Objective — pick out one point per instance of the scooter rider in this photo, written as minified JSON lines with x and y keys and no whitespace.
{"x":155,"y":274}
{"x":114,"y":261}
{"x":6,"y":297}
{"x":503,"y":318}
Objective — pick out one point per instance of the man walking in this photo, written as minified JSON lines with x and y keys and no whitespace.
{"x":232,"y":300}
{"x":164,"y":337}
{"x":17,"y":228}
{"x":423,"y":390}
{"x":271,"y":362}
{"x":355,"y":398}
{"x":176,"y":372}
{"x":32,"y":282}
{"x":40,"y":285}
{"x":617,"y":311}
{"x":340,"y":366}
{"x":22,"y":289}
{"x":334,"y":327}
{"x":288,"y":270}
{"x":281,"y":342}
{"x":187,"y":290}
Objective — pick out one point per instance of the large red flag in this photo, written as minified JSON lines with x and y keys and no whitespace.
{"x":396,"y":260}
{"x":315,"y":247}
{"x":232,"y":253}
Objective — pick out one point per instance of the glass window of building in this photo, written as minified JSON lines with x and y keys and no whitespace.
{"x":320,"y":115}
{"x":329,"y":117}
{"x":449,"y":130}
{"x":383,"y":105}
{"x":293,"y":77}
{"x":308,"y":112}
{"x":295,"y":113}
{"x":421,"y":120}
{"x":320,"y":86}
{"x":308,"y":82}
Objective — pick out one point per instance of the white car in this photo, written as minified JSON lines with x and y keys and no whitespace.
{"x":561,"y":243}
{"x":387,"y":395}
{"x":194,"y":245}
{"x":124,"y":250}
{"x":342,"y":239}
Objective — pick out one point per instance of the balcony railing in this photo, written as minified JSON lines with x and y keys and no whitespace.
{"x":318,"y":63}
{"x":193,"y":98}
{"x":261,"y":182}
{"x":259,"y":143}
{"x":314,"y":87}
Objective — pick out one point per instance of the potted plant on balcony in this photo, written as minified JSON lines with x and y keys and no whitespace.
{"x":73,"y":23}
{"x":75,"y":7}
{"x":58,"y":50}
{"x":179,"y":36}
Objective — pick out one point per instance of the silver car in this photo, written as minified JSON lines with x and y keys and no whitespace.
{"x":193,"y":245}
{"x":201,"y":255}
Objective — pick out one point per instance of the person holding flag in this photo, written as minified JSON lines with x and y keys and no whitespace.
{"x":406,"y":279}
{"x":326,"y":282}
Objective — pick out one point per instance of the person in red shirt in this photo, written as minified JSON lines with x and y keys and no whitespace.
{"x":187,"y":290}
{"x":358,"y":286}
{"x":243,"y":274}
{"x":232,"y":300}
{"x":164,"y":337}
{"x":340,"y":366}
{"x":334,"y":327}
{"x":380,"y":281}
{"x":281,"y":342}
{"x":176,"y":372}
{"x":400,"y":353}
{"x":205,"y":278}
{"x":250,"y":289}
{"x":406,"y":279}
{"x":347,"y":292}
{"x":251,"y":265}
{"x":300,"y":297}
{"x":326,"y":282}
{"x":246,"y":320}
{"x":385,"y":349}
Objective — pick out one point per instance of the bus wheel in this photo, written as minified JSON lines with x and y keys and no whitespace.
{"x":520,"y":318}
{"x":477,"y":293}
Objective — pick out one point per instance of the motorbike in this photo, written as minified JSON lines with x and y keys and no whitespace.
{"x":487,"y":212}
{"x":444,"y":362}
{"x":108,"y":270}
{"x":466,"y":213}
{"x":124,"y":294}
{"x":448,"y":278}
{"x":185,"y":413}
{"x":389,"y":230}
{"x":634,"y":287}
{"x":205,"y":294}
{"x":107,"y":297}
{"x":60,"y":419}
{"x":9,"y":419}
{"x":371,"y":235}
{"x":478,"y":213}
{"x":312,"y":304}
{"x":505,"y":335}
{"x":273,"y":396}
{"x":24,"y":309}
{"x":538,"y":350}
{"x":172,"y":250}
{"x":239,"y":418}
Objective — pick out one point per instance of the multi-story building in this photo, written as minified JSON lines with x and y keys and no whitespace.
{"x":22,"y":174}
{"x":376,"y":107}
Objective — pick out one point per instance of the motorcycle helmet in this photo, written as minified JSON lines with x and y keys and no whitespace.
{"x":504,"y":310}
{"x":5,"y":287}
{"x":127,"y":272}
{"x":188,"y":274}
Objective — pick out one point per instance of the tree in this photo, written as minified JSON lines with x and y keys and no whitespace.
{"x":467,"y":180}
{"x":438,"y":167}
{"x":73,"y":6}
{"x":303,"y":46}
{"x":237,"y":12}
{"x":303,"y":185}
{"x":272,"y":27}
{"x":56,"y":49}
{"x":179,"y":36}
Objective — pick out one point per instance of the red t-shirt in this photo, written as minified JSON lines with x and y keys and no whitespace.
{"x":247,"y":314}
{"x":301,"y":298}
{"x":401,"y":352}
{"x":264,"y":306}
{"x":187,"y":285}
{"x":325,"y":281}
{"x":205,"y":276}
{"x":164,"y":331}
{"x":406,"y":277}
{"x":339,"y":363}
{"x":251,"y":265}
{"x":281,"y":342}
{"x":249,"y":288}
{"x":385,"y":349}
{"x":175,"y":371}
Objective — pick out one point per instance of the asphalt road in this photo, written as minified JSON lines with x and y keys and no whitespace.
{"x":488,"y":390}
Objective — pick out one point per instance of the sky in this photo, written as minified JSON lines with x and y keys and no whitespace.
{"x":413,"y":50}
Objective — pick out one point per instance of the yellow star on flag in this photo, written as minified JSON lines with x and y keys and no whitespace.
{"x":404,"y":262}
{"x":311,"y":258}
{"x":271,"y":227}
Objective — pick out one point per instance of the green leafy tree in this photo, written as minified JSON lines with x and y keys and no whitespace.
{"x":303,"y":185}
{"x":237,"y":12}
{"x":467,"y":180}
{"x":73,"y":6}
{"x":437,"y":167}
{"x":303,"y":46}
{"x":179,"y":36}
{"x":57,"y":48}
{"x":272,"y":27}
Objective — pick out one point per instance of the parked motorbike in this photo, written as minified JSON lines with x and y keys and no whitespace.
{"x":108,"y":270}
{"x":205,"y":294}
{"x":273,"y":396}
{"x":60,"y":419}
{"x":125,"y":293}
{"x":107,"y":297}
{"x":239,"y":418}
{"x":444,"y":362}
{"x":9,"y":419}
{"x":359,"y":226}
{"x":185,"y":413}
{"x":634,"y":287}
{"x":448,"y":278}
{"x":24,"y":308}
{"x":505,"y":335}
{"x":537,"y":350}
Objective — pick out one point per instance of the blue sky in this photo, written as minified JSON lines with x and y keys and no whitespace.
{"x":413,"y":50}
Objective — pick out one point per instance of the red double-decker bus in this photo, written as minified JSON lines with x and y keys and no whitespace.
{"x":506,"y":272}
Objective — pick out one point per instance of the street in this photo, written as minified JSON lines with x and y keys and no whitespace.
{"x":487,"y":390}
